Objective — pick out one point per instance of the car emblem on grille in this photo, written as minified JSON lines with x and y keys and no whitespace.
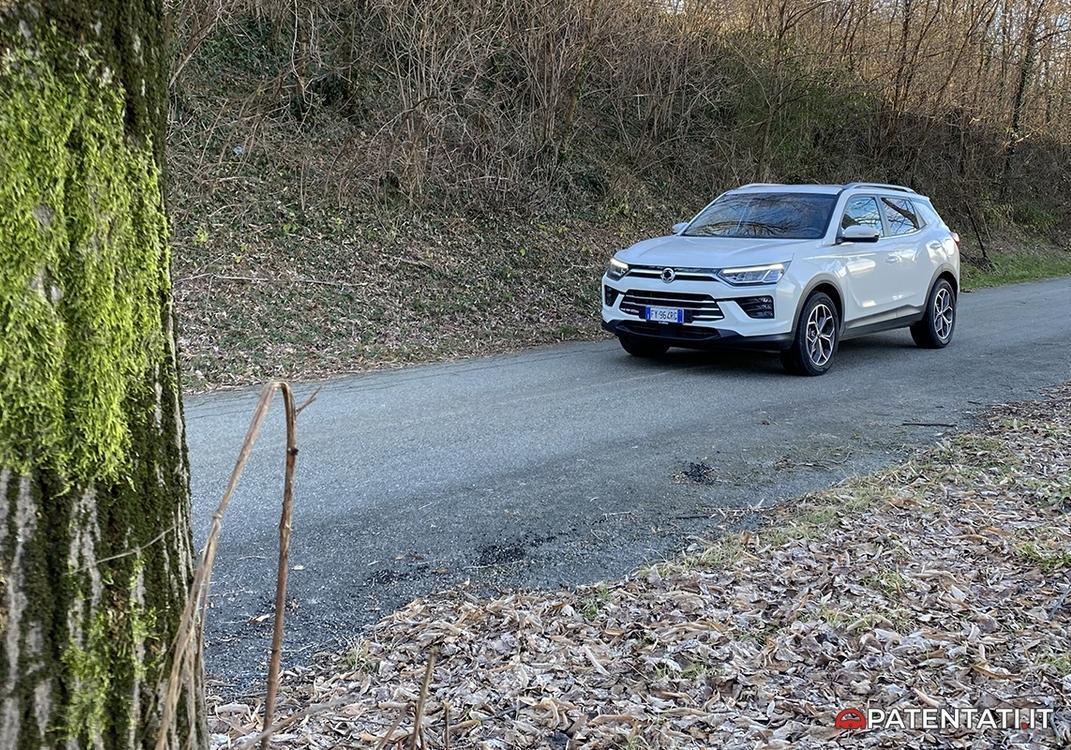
{"x":668,"y":274}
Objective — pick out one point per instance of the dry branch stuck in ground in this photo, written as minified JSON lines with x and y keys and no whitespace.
{"x":945,"y":581}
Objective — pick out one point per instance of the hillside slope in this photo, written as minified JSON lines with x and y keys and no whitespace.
{"x":386,"y":182}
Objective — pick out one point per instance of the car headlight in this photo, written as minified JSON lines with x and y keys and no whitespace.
{"x":768,"y":274}
{"x":615,"y":269}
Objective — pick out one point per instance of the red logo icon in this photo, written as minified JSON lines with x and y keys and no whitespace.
{"x":850,"y":718}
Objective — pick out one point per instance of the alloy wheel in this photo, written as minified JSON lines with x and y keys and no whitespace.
{"x":821,"y":334}
{"x":944,"y":313}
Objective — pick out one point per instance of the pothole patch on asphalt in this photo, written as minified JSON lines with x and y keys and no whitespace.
{"x":388,"y":576}
{"x":697,"y":472}
{"x":508,"y":553}
{"x":499,"y":554}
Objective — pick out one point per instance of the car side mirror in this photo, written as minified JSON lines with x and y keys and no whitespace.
{"x":859,"y":233}
{"x":679,"y":227}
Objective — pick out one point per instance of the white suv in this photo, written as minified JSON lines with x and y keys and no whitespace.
{"x":792,"y":268}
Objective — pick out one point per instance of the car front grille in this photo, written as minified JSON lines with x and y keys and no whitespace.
{"x":697,"y":307}
{"x":683,"y":274}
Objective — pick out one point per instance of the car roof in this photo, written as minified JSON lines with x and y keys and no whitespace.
{"x":777,"y":187}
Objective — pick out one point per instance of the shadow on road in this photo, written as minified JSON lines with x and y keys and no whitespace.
{"x":738,"y":361}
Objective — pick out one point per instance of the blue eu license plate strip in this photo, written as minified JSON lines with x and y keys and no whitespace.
{"x":665,"y":314}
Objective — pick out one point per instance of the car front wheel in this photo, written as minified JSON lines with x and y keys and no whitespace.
{"x":638,"y":347}
{"x":938,"y":324}
{"x":816,"y":339}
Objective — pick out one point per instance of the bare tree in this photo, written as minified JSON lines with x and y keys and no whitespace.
{"x":517,"y":102}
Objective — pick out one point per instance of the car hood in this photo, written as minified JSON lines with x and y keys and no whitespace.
{"x":709,"y":252}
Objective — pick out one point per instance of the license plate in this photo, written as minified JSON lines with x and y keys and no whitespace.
{"x":665,"y":314}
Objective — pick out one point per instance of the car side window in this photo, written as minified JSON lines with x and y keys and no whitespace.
{"x":862,"y":210}
{"x":924,"y":211}
{"x":900,"y":216}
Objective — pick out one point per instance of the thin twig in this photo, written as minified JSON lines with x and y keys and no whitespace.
{"x":446,"y":731}
{"x":418,"y":718}
{"x":284,"y":557}
{"x":308,"y":401}
{"x":190,"y":632}
{"x":129,"y":552}
{"x":316,"y":708}
{"x":299,"y":279}
{"x":188,"y":624}
{"x":194,"y":43}
{"x":390,"y":732}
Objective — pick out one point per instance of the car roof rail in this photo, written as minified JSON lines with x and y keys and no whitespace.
{"x":760,"y":184}
{"x":879,"y":185}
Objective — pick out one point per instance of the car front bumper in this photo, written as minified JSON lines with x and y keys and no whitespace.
{"x":693,"y":337}
{"x":716,"y":315}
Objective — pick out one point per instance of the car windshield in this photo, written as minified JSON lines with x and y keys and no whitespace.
{"x":777,"y":216}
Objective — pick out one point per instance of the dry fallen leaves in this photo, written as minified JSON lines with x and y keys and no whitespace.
{"x":945,"y":581}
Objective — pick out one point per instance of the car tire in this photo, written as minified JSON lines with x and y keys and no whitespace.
{"x":816,"y":339}
{"x":938,"y":323}
{"x":644,"y":348}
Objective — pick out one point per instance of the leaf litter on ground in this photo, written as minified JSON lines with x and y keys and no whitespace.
{"x":944,"y":581}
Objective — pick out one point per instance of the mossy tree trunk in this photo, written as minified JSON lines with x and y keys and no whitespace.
{"x":95,"y":545}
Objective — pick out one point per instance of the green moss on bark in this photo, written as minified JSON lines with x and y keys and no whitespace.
{"x":83,"y":245}
{"x":90,"y":670}
{"x":100,"y":557}
{"x":120,"y":648}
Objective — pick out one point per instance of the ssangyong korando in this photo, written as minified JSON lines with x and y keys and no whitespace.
{"x":791,"y":268}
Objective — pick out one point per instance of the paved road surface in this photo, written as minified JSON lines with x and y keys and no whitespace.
{"x":563,"y":464}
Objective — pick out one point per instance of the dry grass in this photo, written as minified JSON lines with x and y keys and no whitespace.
{"x":943,"y":581}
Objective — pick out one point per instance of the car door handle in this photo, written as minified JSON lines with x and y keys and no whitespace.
{"x":892,"y":258}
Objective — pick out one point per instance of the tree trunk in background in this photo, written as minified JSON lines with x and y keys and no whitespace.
{"x":1026,"y":72}
{"x":95,"y":545}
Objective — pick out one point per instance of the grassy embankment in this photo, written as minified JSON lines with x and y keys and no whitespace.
{"x":1026,"y":260}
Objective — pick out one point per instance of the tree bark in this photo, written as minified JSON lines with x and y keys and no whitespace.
{"x":1026,"y":73}
{"x":95,"y":545}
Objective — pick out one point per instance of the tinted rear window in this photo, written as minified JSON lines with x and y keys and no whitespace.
{"x":778,"y":216}
{"x":926,"y":212}
{"x":900,"y":215}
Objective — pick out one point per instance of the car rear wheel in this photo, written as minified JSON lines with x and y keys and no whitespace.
{"x":638,"y":347}
{"x":938,"y":324}
{"x":816,"y":339}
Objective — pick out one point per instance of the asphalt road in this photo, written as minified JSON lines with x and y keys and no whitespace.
{"x":568,"y":464}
